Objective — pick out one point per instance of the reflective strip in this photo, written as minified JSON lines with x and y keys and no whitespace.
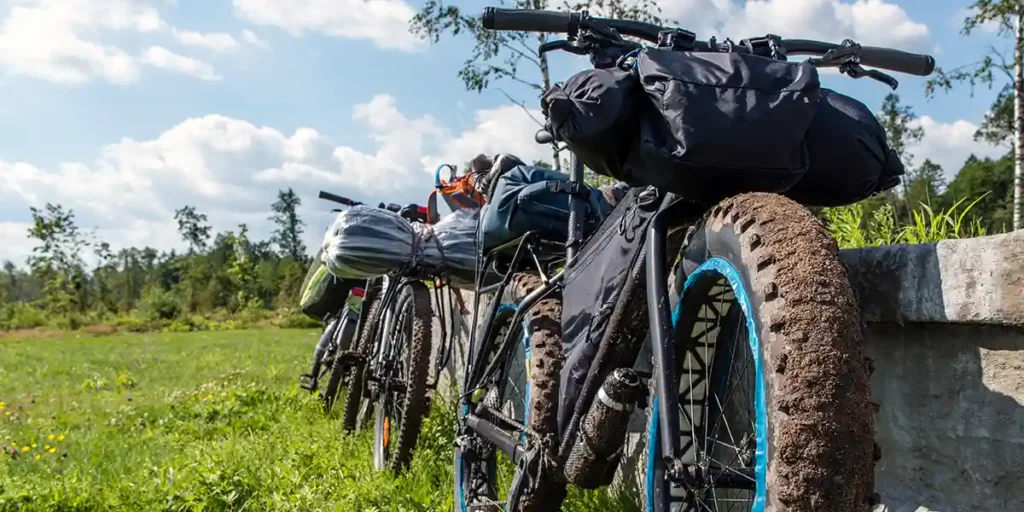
{"x":607,"y":400}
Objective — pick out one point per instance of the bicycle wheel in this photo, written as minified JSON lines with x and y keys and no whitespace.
{"x":402,"y":378}
{"x":525,"y":390}
{"x":365,"y":339}
{"x":342,"y":342}
{"x":775,"y":410}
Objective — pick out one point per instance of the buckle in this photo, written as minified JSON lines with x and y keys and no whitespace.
{"x":769,"y":45}
{"x":565,"y":187}
{"x":677,"y":40}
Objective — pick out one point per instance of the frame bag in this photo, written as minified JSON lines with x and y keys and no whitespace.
{"x":598,"y":300}
{"x":849,"y":156}
{"x":718,"y":124}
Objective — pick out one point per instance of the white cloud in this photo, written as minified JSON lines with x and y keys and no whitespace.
{"x":219,"y":42}
{"x":869,"y":22}
{"x":160,"y":57}
{"x":14,"y":240}
{"x":69,"y":41}
{"x":56,"y":39}
{"x":250,"y":37}
{"x":232,"y":169}
{"x":385,"y":22}
{"x":949,"y":144}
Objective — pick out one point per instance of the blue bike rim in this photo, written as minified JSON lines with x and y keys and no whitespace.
{"x":711,"y":269}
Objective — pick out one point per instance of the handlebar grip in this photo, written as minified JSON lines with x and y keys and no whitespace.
{"x":338,"y":199}
{"x":896,"y":60}
{"x":526,"y":20}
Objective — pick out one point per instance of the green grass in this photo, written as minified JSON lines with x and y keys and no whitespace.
{"x":198,"y":421}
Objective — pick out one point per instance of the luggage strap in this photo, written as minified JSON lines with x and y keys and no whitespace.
{"x":566,"y":187}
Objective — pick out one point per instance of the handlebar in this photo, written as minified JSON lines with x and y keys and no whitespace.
{"x":338,"y":199}
{"x":539,"y":20}
{"x":411,"y":212}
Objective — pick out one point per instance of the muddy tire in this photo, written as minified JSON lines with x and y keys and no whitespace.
{"x":356,"y":372}
{"x":815,"y":411}
{"x":475,"y":473}
{"x":414,"y":310}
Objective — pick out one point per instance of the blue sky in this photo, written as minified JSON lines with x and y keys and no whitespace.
{"x":127,"y":109}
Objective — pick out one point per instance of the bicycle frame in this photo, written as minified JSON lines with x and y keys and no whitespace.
{"x":672,"y":212}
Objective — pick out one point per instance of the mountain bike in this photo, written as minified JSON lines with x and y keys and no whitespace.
{"x":335,"y":353}
{"x":393,"y":371}
{"x":758,"y":396}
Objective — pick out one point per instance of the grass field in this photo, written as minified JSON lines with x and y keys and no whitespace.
{"x":197,"y":421}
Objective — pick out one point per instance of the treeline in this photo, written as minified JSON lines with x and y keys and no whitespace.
{"x":978,"y":200}
{"x":222,"y":280}
{"x":227,"y":280}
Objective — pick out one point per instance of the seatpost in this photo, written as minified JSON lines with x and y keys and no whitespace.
{"x":576,"y":206}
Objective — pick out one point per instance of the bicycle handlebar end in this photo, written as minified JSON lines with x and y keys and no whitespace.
{"x":488,"y":18}
{"x":897,"y":60}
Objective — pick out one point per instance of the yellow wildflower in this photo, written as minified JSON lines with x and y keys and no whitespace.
{"x":50,"y":437}
{"x":46,"y":447}
{"x":60,"y":437}
{"x":7,"y":413}
{"x":25,"y":448}
{"x":2,"y":406}
{"x":52,"y":450}
{"x":37,"y":456}
{"x":35,"y":445}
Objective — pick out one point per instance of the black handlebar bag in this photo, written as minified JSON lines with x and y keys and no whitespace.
{"x":595,"y":113}
{"x":718,"y":124}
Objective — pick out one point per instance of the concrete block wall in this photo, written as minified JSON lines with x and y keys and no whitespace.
{"x":946,"y":332}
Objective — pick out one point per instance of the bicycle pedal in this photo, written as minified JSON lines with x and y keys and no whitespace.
{"x":307,"y":382}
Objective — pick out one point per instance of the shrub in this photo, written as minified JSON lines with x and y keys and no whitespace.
{"x":19,"y":315}
{"x":158,"y":304}
{"x":297,"y":320}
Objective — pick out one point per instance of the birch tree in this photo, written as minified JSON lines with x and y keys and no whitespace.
{"x":500,"y":57}
{"x":1008,"y":17}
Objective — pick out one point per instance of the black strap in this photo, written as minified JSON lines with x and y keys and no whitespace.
{"x":566,"y":187}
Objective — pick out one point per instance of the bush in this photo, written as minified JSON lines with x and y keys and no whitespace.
{"x":19,"y":315}
{"x":131,"y":323}
{"x":158,"y":304}
{"x":298,"y":320}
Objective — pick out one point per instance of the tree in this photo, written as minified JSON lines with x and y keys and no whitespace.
{"x":898,"y":121}
{"x":12,"y":284}
{"x":193,"y":228}
{"x":101,"y":275}
{"x":990,"y":178}
{"x":501,"y":56}
{"x":288,"y":235}
{"x":924,"y":184}
{"x":57,"y":259}
{"x":1008,"y":15}
{"x":243,"y":268}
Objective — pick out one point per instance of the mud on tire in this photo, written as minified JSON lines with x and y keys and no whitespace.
{"x":543,"y":322}
{"x":816,"y":379}
{"x":356,"y":376}
{"x":416,"y":297}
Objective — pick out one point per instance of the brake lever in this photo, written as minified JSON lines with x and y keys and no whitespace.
{"x":854,"y":70}
{"x":561,"y":44}
{"x":848,"y":52}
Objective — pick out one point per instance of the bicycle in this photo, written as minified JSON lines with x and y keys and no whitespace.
{"x":803,"y":439}
{"x":390,"y":374}
{"x":334,"y":353}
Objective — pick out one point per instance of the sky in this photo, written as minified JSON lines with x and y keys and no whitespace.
{"x":125,"y":110}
